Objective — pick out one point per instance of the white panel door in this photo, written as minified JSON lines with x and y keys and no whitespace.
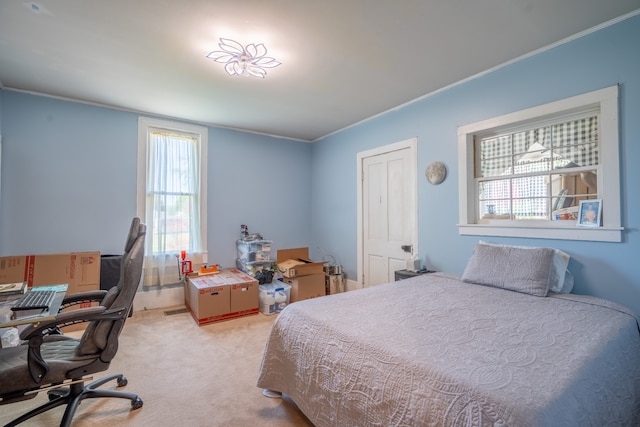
{"x":388,"y":214}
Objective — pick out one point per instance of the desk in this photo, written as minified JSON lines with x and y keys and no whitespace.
{"x":6,"y":315}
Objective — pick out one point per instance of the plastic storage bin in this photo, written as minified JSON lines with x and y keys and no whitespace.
{"x":254,"y":250}
{"x":251,"y":268}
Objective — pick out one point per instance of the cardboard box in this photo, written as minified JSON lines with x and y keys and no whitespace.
{"x":223,"y":296}
{"x":79,"y":270}
{"x":207,"y":302}
{"x":306,"y":287}
{"x":296,"y":263}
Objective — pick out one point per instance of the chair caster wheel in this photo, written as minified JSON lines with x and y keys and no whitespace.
{"x":122,"y":381}
{"x":136,"y":404}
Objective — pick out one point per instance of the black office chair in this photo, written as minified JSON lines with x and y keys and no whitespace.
{"x":81,"y":298}
{"x":56,"y":363}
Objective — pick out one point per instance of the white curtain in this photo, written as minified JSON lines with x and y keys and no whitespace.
{"x":172,"y":210}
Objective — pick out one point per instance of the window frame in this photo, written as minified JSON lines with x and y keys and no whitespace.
{"x":145,"y":126}
{"x":603,"y":100}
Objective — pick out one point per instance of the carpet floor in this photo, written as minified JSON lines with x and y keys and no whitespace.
{"x":186,"y":375}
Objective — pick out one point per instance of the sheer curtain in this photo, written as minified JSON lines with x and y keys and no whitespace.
{"x":172,"y":205}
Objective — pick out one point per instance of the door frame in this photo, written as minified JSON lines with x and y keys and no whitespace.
{"x":412,"y":145}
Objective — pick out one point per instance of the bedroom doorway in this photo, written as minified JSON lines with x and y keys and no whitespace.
{"x":387,"y":211}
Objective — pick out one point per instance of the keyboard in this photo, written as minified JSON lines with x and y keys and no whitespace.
{"x":39,"y":299}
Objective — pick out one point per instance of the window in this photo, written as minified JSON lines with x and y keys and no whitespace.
{"x":171,"y":196}
{"x":524,"y":174}
{"x":538,"y":174}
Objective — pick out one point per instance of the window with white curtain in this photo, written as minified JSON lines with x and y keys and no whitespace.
{"x":172,"y":196}
{"x":524,"y":174}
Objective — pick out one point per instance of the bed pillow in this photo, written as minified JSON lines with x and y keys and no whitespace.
{"x":526,"y":270}
{"x":559,"y":273}
{"x":567,"y":287}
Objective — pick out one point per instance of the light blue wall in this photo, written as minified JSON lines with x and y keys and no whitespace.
{"x":69,"y":170}
{"x":261,"y":182}
{"x":1,"y":95}
{"x":605,"y":58}
{"x":68,"y":176}
{"x":69,"y":181}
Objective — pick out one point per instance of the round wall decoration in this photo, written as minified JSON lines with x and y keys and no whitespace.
{"x":436,"y":172}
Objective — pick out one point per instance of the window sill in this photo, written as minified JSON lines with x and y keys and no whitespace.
{"x":596,"y":234}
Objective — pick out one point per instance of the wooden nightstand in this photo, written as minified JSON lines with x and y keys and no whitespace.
{"x":405,"y":274}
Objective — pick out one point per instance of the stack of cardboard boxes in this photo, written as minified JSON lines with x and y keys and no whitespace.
{"x":225,"y":295}
{"x":232,"y":293}
{"x":307,"y":278}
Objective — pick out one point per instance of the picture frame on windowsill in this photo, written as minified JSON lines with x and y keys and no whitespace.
{"x":590,"y":213}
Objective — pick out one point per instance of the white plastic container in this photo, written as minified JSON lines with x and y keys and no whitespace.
{"x":281,"y":299}
{"x":10,"y":337}
{"x":276,"y":285}
{"x":267,"y":302}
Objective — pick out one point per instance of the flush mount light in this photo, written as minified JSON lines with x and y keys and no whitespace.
{"x":243,"y":61}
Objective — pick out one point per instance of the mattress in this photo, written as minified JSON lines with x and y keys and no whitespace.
{"x":435,"y":351}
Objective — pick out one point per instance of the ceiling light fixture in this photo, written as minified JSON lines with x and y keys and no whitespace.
{"x":243,"y":61}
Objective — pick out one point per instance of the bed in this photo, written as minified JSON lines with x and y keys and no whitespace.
{"x":445,"y":350}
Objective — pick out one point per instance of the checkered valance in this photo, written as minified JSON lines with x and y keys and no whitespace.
{"x":572,"y":143}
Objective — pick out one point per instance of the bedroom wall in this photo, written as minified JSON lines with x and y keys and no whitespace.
{"x":1,"y":94}
{"x":68,"y":170}
{"x":604,"y":58}
{"x":69,"y":181}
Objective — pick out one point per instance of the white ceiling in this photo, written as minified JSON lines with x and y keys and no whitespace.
{"x":343,"y":61}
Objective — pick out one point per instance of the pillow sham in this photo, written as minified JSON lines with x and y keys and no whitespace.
{"x":567,"y":287}
{"x":526,"y":270}
{"x":559,"y":273}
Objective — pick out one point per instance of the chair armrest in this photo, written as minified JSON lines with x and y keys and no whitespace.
{"x":82,"y":297}
{"x":62,"y":319}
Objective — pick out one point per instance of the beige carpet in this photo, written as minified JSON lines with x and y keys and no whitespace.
{"x":187,"y":375}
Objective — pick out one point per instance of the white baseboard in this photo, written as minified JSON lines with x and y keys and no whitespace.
{"x":352,"y":285}
{"x":147,"y":299}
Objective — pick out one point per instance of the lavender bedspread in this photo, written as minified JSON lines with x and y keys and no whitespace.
{"x":434,"y":351}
